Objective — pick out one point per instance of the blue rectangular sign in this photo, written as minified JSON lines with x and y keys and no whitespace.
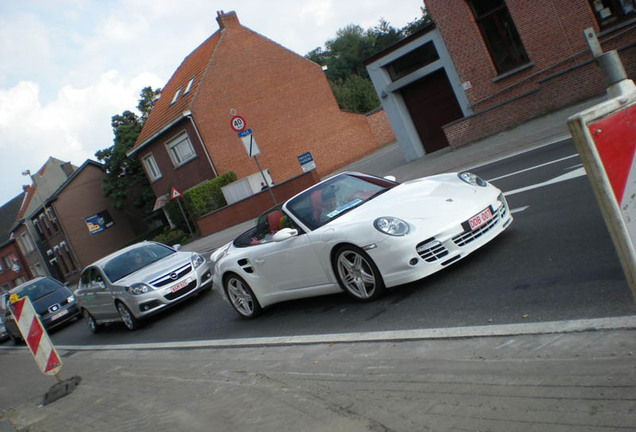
{"x":305,"y":158}
{"x":244,"y":133}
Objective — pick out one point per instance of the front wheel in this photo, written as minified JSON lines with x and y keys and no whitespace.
{"x":241,"y":297}
{"x":90,"y":321}
{"x":357,"y":274}
{"x":127,"y":317}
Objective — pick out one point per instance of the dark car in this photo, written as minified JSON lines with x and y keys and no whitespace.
{"x":53,"y":302}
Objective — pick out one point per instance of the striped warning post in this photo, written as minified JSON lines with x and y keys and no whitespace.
{"x":36,"y":337}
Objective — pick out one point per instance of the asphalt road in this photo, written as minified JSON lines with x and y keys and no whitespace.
{"x":556,"y":262}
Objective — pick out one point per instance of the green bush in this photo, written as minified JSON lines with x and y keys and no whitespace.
{"x":207,"y":197}
{"x":171,"y":237}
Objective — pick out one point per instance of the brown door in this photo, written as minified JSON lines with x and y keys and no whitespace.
{"x":431,"y":103}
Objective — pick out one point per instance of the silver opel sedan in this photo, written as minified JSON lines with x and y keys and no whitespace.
{"x":139,"y":281}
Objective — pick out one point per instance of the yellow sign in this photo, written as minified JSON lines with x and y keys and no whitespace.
{"x":13,"y":298}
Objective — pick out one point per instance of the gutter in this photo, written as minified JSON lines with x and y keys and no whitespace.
{"x":156,"y":134}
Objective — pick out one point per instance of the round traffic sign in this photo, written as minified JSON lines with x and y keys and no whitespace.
{"x":238,"y":123}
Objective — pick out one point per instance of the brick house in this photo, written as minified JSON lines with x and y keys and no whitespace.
{"x":83,"y":226}
{"x":284,"y":98}
{"x":45,"y":181}
{"x":504,"y":61}
{"x":13,"y":266}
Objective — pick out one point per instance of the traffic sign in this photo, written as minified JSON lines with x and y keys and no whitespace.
{"x":306,"y":161}
{"x":244,"y":132}
{"x":238,"y":123}
{"x":174,"y":193}
{"x":250,"y":145}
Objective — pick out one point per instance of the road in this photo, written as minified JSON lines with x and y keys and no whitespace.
{"x":556,"y":262}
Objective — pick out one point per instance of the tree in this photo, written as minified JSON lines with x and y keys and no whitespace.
{"x":344,"y":58}
{"x":125,"y":179}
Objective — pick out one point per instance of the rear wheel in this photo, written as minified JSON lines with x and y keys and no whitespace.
{"x":127,"y":317}
{"x":90,"y":321}
{"x":241,"y":297}
{"x":357,"y":274}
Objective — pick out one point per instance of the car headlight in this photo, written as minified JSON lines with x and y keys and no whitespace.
{"x":472,"y":179}
{"x":197,"y":260}
{"x":138,"y":288}
{"x":391,"y":226}
{"x":70,"y":299}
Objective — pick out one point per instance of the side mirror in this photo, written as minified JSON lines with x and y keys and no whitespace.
{"x":284,"y":234}
{"x":390,"y":178}
{"x":100,"y":284}
{"x":176,"y":247}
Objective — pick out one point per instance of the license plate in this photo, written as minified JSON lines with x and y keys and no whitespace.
{"x":59,"y":315}
{"x":480,"y":219}
{"x":180,"y":285}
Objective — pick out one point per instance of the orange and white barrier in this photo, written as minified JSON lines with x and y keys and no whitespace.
{"x":35,"y":336}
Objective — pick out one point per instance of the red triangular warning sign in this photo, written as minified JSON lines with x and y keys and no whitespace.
{"x":174,"y":193}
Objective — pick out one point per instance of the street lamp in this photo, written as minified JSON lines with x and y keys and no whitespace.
{"x":37,"y":192}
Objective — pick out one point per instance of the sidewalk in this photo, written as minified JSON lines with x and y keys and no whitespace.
{"x":533,"y":383}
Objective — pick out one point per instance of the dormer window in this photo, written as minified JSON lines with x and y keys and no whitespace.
{"x":176,"y":96}
{"x":189,"y":86}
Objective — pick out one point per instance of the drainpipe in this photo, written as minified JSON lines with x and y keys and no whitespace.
{"x":205,"y":150}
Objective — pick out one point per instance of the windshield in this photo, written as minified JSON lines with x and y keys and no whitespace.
{"x":329,"y":200}
{"x":135,"y":259}
{"x":38,"y":289}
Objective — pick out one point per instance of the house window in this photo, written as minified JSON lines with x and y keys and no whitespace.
{"x":609,"y":12}
{"x":499,"y":33}
{"x":151,"y":167}
{"x":38,"y":270}
{"x":414,"y":60}
{"x":180,"y":150}
{"x":176,"y":96}
{"x":189,"y":86}
{"x":28,"y":244}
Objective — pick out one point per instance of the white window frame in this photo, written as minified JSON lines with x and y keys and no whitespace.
{"x":181,"y":150}
{"x":189,"y":86}
{"x":176,"y":96}
{"x":151,"y":167}
{"x":27,"y":242}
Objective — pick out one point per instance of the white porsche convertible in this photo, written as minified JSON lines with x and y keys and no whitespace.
{"x":360,"y":234}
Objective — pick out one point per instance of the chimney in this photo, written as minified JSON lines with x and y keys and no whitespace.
{"x":227,"y":20}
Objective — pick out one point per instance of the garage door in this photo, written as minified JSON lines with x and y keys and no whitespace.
{"x":431,"y":104}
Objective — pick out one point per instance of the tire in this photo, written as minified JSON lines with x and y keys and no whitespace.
{"x":357,"y":274}
{"x":90,"y":321}
{"x":15,"y":340}
{"x":241,"y":296}
{"x":127,"y":317}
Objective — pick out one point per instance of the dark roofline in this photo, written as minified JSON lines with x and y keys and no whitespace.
{"x":400,"y":44}
{"x":59,"y":190}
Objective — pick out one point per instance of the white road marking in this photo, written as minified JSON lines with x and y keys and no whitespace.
{"x":615,"y":323}
{"x":519,"y":209}
{"x":580,"y":172}
{"x":534,"y":167}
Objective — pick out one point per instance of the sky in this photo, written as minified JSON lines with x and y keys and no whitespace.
{"x":68,"y":66}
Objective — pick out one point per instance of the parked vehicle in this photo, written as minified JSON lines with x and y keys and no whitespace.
{"x":359,"y":234}
{"x":53,"y":302}
{"x":4,"y":335}
{"x":138,"y":281}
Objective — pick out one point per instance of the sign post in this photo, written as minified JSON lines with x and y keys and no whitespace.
{"x":605,"y":136}
{"x":175,"y":194}
{"x":239,"y":125}
{"x":40,"y":346}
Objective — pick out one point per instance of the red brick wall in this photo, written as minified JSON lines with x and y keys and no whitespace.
{"x":253,"y":206}
{"x":552,"y":35}
{"x":286,"y":101}
{"x":380,"y":127}
{"x":82,"y":198}
{"x":192,"y":173}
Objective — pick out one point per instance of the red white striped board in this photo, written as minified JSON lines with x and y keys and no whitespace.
{"x":36,"y":337}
